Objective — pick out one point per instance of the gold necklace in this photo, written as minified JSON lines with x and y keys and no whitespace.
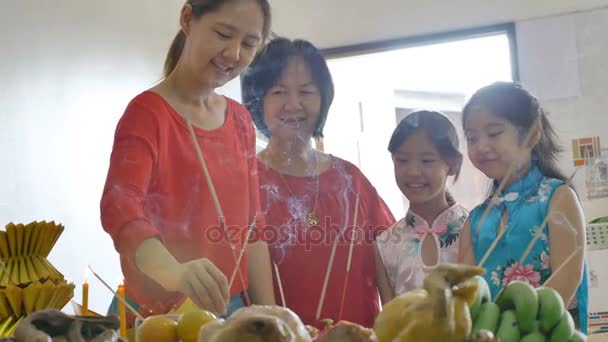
{"x":311,"y":217}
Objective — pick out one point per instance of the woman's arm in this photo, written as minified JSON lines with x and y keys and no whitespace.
{"x":199,"y":279}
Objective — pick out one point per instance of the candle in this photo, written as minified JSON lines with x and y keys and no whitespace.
{"x":122,"y":314}
{"x":85,"y":298}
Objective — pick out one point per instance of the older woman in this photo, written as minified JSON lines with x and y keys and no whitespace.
{"x":309,"y":197}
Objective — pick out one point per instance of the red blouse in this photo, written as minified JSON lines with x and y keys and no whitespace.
{"x":156,"y":188}
{"x":302,"y":251}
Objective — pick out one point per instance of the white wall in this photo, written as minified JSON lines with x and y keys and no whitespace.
{"x":68,"y":70}
{"x":563,"y":60}
{"x":345,"y":22}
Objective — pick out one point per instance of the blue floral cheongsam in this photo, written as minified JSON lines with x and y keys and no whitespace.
{"x":527,"y":204}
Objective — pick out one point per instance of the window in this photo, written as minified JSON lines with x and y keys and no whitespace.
{"x":378,"y":84}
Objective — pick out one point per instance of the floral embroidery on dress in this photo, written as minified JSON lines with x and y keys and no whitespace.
{"x":452,"y":233}
{"x":535,"y":273}
{"x":543,"y":235}
{"x":411,"y":247}
{"x":517,"y":271}
{"x":447,"y":235}
{"x":495,"y":278}
{"x":410,"y":220}
{"x":545,"y":189}
{"x":545,"y":260}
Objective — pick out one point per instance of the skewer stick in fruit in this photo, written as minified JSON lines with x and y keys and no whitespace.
{"x":116,"y":294}
{"x":216,"y":202}
{"x":350,"y":256}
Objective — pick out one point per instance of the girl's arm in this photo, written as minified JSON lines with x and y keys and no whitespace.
{"x":465,"y":247}
{"x":261,"y":289}
{"x":384,"y":286}
{"x":566,"y":235}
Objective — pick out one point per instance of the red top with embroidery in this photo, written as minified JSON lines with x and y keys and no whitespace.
{"x":156,"y":188}
{"x":302,"y":250}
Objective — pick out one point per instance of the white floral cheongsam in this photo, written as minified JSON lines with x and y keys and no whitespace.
{"x":400,"y":246}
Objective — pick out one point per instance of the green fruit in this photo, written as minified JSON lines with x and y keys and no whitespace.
{"x":508,"y":330}
{"x":483,"y":295}
{"x":578,"y":337}
{"x":535,"y":336}
{"x":564,"y":329}
{"x":550,"y":308}
{"x":482,"y":336}
{"x":523,"y":298}
{"x":536,"y":327}
{"x":489,"y":314}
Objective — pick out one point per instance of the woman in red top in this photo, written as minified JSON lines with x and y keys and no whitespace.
{"x":157,"y":204}
{"x":308,"y":197}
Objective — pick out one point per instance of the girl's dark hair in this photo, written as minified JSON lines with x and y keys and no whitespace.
{"x":441,"y":132}
{"x":199,"y":9}
{"x":515,"y":104}
{"x":267,"y":68}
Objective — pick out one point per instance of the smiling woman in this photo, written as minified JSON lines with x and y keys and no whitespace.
{"x":309,"y":197}
{"x":157,"y":206}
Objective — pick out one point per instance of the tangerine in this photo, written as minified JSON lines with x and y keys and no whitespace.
{"x":158,"y":329}
{"x":190,"y":323}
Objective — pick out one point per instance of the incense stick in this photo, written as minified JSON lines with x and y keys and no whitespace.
{"x":216,"y":202}
{"x":276,"y":271}
{"x":540,"y":230}
{"x":326,"y":280}
{"x":350,"y":255}
{"x":238,"y":261}
{"x":568,"y":259}
{"x":116,"y":295}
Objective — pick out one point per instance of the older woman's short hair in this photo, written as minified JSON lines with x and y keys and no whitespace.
{"x":266,"y":69}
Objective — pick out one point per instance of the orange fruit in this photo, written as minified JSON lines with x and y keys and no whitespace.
{"x":158,"y":329}
{"x":189,"y":324}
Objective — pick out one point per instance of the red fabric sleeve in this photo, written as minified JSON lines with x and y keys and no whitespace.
{"x":381,"y":216}
{"x":131,"y":166}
